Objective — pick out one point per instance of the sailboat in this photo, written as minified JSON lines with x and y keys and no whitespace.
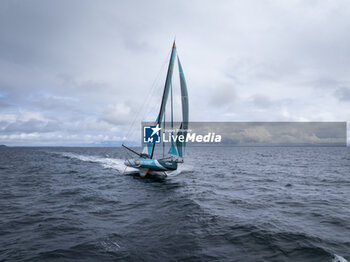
{"x":145,"y":162}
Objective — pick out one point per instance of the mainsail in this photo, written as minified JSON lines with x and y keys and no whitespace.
{"x":166,"y":91}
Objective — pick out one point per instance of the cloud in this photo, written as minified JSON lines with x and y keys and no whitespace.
{"x":30,"y":126}
{"x":223,"y":95}
{"x":117,"y":114}
{"x":343,"y":94}
{"x":4,"y":104}
{"x":261,"y":101}
{"x":88,"y":68}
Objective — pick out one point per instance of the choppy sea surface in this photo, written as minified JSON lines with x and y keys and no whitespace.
{"x":223,"y":204}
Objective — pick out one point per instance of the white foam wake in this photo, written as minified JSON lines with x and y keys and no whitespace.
{"x":118,"y":164}
{"x":182,"y":168}
{"x":337,"y":258}
{"x":106,"y":162}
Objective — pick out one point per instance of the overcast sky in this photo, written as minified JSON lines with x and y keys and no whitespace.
{"x":78,"y":72}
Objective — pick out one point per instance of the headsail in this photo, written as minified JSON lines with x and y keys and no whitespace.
{"x":147,"y":149}
{"x":172,"y":150}
{"x":185,"y":110}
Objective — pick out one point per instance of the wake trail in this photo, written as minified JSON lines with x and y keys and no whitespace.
{"x":106,"y":162}
{"x":337,"y":258}
{"x":181,"y":169}
{"x":118,"y":164}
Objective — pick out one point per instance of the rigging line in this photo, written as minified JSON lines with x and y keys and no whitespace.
{"x":143,"y":105}
{"x":157,"y":87}
{"x":149,"y":95}
{"x":164,"y":129}
{"x":171,"y":96}
{"x":128,"y":153}
{"x":133,"y":131}
{"x":155,"y":106}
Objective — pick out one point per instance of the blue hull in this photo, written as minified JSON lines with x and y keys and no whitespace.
{"x":152,"y":164}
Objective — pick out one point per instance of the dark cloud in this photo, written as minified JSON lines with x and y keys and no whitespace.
{"x":4,"y":104}
{"x":223,"y":95}
{"x":343,"y":94}
{"x":262,"y":101}
{"x":118,"y":114}
{"x":30,"y":126}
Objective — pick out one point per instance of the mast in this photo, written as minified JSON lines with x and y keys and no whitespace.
{"x":166,"y":90}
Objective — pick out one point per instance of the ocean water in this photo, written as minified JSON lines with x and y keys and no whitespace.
{"x":223,"y":204}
